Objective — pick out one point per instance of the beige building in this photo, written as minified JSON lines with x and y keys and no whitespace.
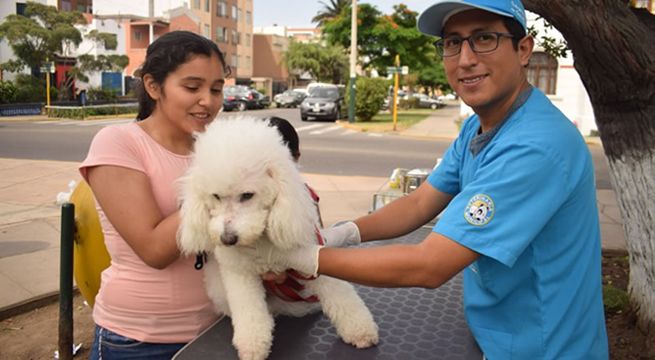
{"x":269,"y":72}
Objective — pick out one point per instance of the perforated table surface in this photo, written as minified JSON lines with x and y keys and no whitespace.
{"x":414,"y":324}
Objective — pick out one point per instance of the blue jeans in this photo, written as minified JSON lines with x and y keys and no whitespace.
{"x":107,"y":345}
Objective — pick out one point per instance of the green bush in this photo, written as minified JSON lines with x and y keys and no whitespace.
{"x":79,"y":112}
{"x":615,"y":300}
{"x":31,"y":89}
{"x":96,"y":93}
{"x":7,"y":92}
{"x":369,"y":96}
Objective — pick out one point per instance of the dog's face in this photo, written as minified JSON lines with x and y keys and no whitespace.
{"x":243,"y":186}
{"x":239,"y":211}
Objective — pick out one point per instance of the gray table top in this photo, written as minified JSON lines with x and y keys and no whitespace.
{"x":414,"y":323}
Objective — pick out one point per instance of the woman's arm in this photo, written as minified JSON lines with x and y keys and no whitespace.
{"x":126,"y":198}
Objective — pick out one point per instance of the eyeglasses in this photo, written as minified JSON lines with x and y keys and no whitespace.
{"x":480,"y":43}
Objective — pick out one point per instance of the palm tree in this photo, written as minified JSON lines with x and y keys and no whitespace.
{"x":330,"y":11}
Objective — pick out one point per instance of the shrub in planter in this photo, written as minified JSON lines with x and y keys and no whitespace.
{"x":369,"y":97}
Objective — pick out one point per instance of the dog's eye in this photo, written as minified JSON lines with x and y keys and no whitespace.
{"x":247,"y":196}
{"x":217,"y":197}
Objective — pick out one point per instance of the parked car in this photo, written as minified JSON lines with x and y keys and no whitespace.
{"x":242,"y":98}
{"x":323,"y":102}
{"x":425,"y":101}
{"x":288,"y":99}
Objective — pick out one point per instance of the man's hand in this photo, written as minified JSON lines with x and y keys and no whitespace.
{"x":341,"y":234}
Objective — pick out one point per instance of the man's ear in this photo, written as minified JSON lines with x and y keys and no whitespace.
{"x":152,"y":87}
{"x":526,"y":45}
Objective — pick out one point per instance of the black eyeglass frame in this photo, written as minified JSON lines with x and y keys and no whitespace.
{"x":439,"y":44}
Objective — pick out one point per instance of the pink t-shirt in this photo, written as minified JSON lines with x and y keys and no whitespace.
{"x":135,"y":300}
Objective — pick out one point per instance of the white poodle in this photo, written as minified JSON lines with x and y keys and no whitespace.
{"x":242,"y":196}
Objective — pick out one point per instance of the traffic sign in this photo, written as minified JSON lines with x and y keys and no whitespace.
{"x":404,"y":70}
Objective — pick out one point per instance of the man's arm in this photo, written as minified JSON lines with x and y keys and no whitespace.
{"x":429,"y":264}
{"x":403,"y":215}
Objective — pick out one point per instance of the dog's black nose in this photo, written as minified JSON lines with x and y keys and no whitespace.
{"x":229,"y":238}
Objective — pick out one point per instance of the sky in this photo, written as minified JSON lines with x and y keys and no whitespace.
{"x":299,"y":13}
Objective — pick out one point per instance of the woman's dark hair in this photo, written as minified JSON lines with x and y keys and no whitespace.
{"x":164,"y":55}
{"x":288,"y":133}
{"x":514,"y":28}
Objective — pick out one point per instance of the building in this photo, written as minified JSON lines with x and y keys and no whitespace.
{"x":227,"y":22}
{"x":269,"y":72}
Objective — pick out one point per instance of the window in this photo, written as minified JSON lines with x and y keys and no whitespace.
{"x":138,"y":36}
{"x":248,"y":39}
{"x":20,"y":8}
{"x":196,"y":4}
{"x":65,"y":5}
{"x":207,"y":32}
{"x":221,"y":34}
{"x":221,"y":8}
{"x":239,"y":15}
{"x":235,"y":14}
{"x":248,"y":17}
{"x":207,"y":5}
{"x":542,"y":72}
{"x":236,"y":37}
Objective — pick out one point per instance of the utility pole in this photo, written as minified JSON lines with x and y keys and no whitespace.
{"x":395,"y":92}
{"x":353,"y":61}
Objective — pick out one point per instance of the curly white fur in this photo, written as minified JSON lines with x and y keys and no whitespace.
{"x":243,"y":192}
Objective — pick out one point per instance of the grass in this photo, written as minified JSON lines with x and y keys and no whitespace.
{"x":383,"y":121}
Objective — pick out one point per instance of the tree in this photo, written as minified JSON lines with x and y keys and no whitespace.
{"x":39,"y":35}
{"x":44,"y":34}
{"x":614,"y":53}
{"x":381,"y":37}
{"x":330,"y":11}
{"x":324,"y":63}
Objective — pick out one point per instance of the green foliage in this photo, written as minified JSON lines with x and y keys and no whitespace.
{"x":30,"y":89}
{"x":78,"y":112}
{"x":615,"y":300}
{"x":381,"y":37}
{"x":555,"y":47}
{"x":96,"y":93}
{"x":108,"y":40}
{"x":41,"y":33}
{"x":7,"y":92}
{"x":330,"y":11}
{"x":324,"y":63}
{"x":369,"y":96}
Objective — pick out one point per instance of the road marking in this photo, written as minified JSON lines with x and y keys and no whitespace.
{"x":309,"y":127}
{"x":106,"y":122}
{"x":331,"y":128}
{"x":375,"y":134}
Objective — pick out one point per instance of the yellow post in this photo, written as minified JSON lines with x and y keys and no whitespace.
{"x":47,"y":85}
{"x":395,"y":93}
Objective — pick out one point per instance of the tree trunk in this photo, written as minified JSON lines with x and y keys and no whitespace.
{"x":614,"y":53}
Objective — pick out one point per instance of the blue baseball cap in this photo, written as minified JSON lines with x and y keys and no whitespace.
{"x":432,"y":19}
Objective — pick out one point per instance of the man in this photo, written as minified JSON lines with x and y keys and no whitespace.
{"x":517,"y":200}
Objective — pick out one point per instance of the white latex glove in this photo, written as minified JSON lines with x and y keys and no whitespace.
{"x":341,"y":234}
{"x":302,"y":259}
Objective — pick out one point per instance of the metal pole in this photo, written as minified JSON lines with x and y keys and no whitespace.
{"x":47,"y":84}
{"x":395,"y":92}
{"x":66,"y":282}
{"x":353,"y":61}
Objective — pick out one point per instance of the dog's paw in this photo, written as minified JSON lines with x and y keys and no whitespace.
{"x":250,"y":348}
{"x":362,"y":335}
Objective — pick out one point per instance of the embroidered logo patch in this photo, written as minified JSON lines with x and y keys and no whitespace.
{"x":480,"y":210}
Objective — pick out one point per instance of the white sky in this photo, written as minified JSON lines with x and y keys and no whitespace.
{"x":299,"y":13}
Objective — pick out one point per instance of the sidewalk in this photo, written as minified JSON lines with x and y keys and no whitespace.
{"x":30,"y":219}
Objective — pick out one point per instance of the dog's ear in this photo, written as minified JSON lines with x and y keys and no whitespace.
{"x":292,"y":220}
{"x":193,"y":232}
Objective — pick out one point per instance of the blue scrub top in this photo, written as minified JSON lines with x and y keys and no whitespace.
{"x":526,"y":203}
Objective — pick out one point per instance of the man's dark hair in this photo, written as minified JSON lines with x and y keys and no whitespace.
{"x":514,"y":28}
{"x":288,"y":133}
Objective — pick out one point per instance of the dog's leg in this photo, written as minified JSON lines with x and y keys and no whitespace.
{"x":251,"y":320}
{"x":214,"y":286}
{"x":347,"y":311}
